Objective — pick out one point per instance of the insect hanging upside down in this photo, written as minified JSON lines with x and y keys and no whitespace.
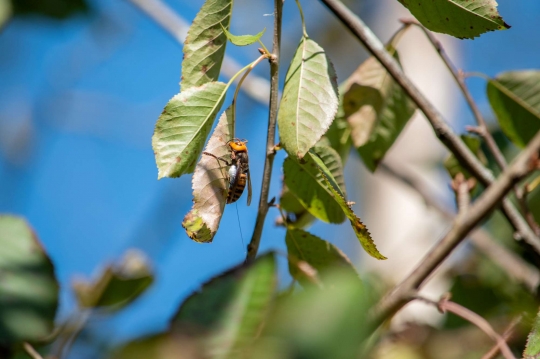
{"x":238,"y":170}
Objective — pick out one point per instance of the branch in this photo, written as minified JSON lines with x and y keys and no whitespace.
{"x":511,"y":263}
{"x":29,"y":349}
{"x":445,"y":305}
{"x":524,"y":163}
{"x":492,"y":353}
{"x":253,"y":246}
{"x":255,"y":87}
{"x":441,"y":128}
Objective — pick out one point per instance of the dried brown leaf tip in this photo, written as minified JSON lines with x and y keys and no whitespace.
{"x":210,"y":185}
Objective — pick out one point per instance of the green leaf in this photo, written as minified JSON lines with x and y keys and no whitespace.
{"x":321,"y":324}
{"x":318,"y":253}
{"x":297,"y":215}
{"x":515,"y":98}
{"x":452,"y":164}
{"x":118,"y":285}
{"x":359,"y":228}
{"x":28,"y":287}
{"x":532,"y":349}
{"x":377,"y":110}
{"x":205,"y":43}
{"x":339,"y":132}
{"x":59,"y":9}
{"x":183,"y":126}
{"x":306,"y":182}
{"x":243,"y":40}
{"x":310,"y":99}
{"x":463,"y":19}
{"x":230,"y":310}
{"x":210,"y":184}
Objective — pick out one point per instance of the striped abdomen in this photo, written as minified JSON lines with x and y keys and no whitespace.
{"x":237,"y":187}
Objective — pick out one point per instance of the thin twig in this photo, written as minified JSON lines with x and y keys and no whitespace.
{"x":253,"y":246}
{"x":482,"y":128}
{"x":458,"y":76}
{"x":256,"y":87}
{"x":512,"y":264}
{"x":29,"y":349}
{"x":441,"y":128}
{"x":523,"y":164}
{"x":492,"y":353}
{"x":445,"y":305}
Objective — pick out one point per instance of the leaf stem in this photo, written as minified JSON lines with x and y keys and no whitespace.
{"x":302,"y":16}
{"x":247,"y":71}
{"x":264,"y":47}
{"x":441,"y":128}
{"x":253,"y":246}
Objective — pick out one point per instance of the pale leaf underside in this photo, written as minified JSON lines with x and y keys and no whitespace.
{"x":183,"y":126}
{"x":310,"y":99}
{"x":205,"y":43}
{"x":459,"y":18}
{"x":210,"y":184}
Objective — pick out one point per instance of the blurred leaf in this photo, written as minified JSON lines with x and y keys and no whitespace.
{"x":532,"y":349}
{"x":310,"y":99}
{"x":118,"y":285}
{"x":59,"y":9}
{"x":305,"y":181}
{"x":359,"y":228}
{"x":515,"y":98}
{"x":243,"y":40}
{"x":210,"y":184}
{"x":339,"y":133}
{"x":6,"y":11}
{"x":452,"y":165}
{"x":377,"y":110}
{"x":230,"y":310}
{"x":183,"y":126}
{"x":28,"y":287}
{"x":297,"y":215}
{"x":318,"y":253}
{"x":321,"y":324}
{"x":205,"y":44}
{"x":463,"y":19}
{"x":159,"y":346}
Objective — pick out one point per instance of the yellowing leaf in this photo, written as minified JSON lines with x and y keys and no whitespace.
{"x":210,"y":184}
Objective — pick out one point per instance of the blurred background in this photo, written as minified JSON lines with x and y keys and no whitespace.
{"x":83,"y":82}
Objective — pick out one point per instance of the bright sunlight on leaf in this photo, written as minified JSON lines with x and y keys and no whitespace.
{"x":210,"y":184}
{"x":205,"y":44}
{"x":243,"y":40}
{"x":464,"y":19}
{"x":183,"y":126}
{"x":310,"y":99}
{"x":515,"y":98}
{"x":28,"y":287}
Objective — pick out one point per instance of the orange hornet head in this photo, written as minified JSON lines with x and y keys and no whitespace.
{"x":238,"y":145}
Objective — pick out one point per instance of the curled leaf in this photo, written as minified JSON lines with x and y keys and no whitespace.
{"x":377,"y":109}
{"x":205,"y":44}
{"x":118,"y":285}
{"x":210,"y":184}
{"x":243,"y":40}
{"x":359,"y":228}
{"x":305,"y":181}
{"x":183,"y":126}
{"x":310,"y":99}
